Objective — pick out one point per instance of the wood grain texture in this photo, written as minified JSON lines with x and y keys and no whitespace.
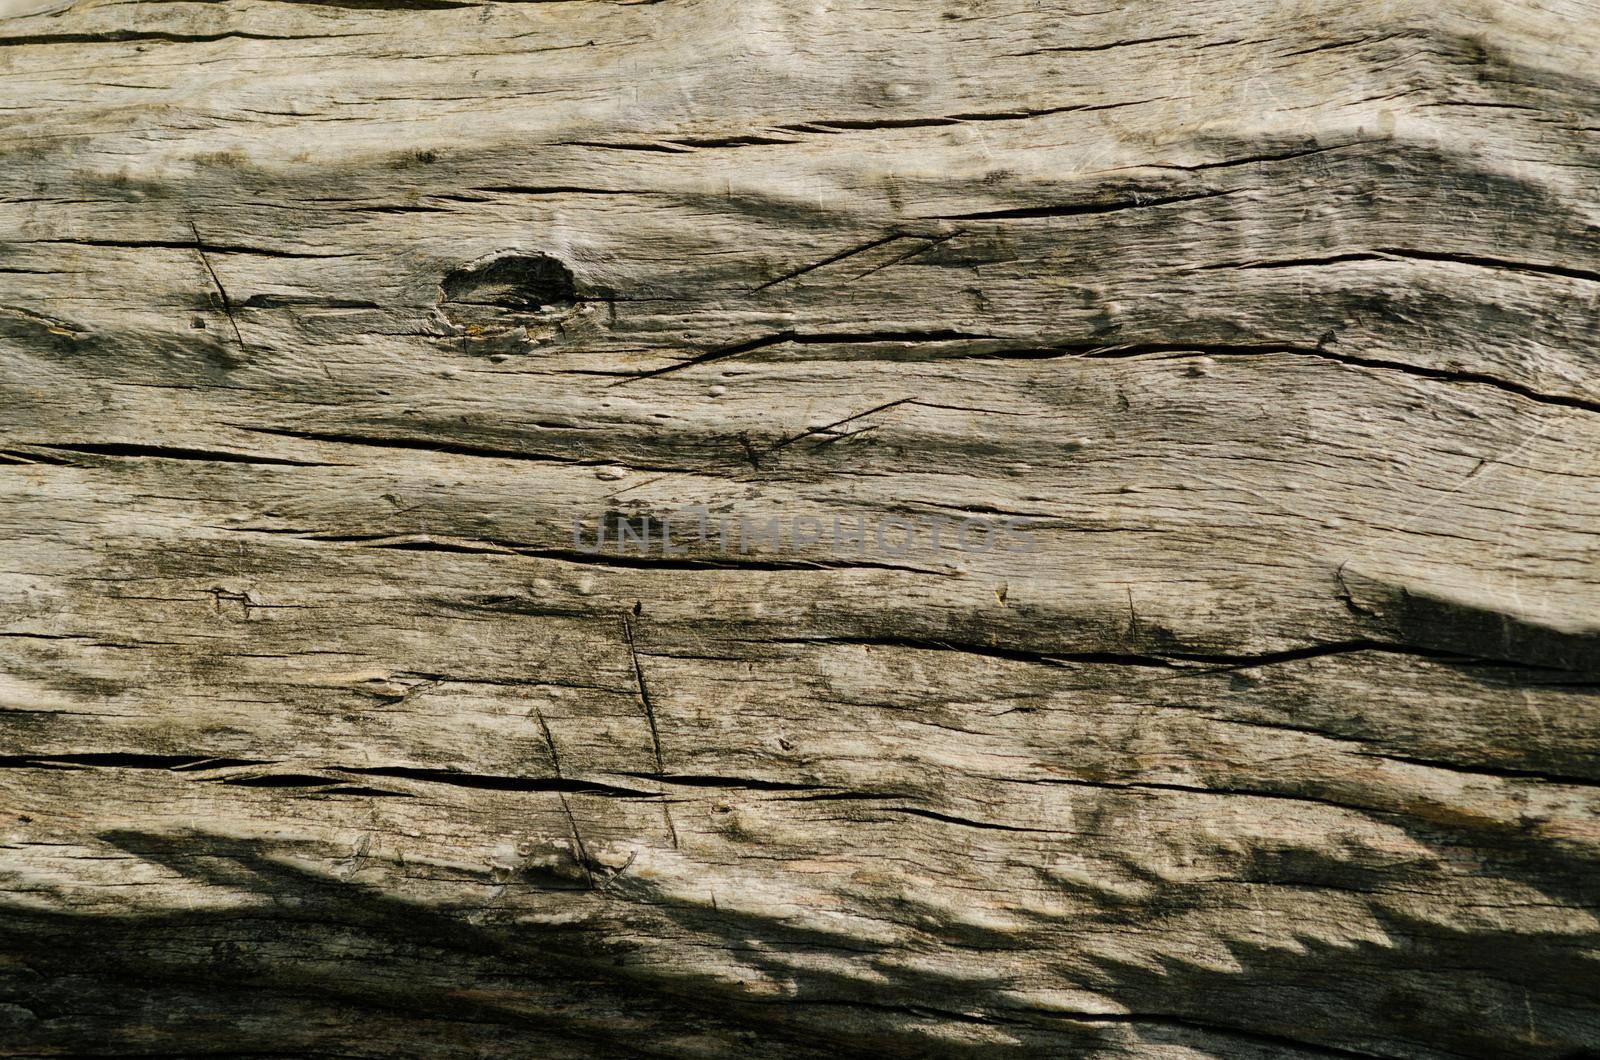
{"x":1274,"y":325}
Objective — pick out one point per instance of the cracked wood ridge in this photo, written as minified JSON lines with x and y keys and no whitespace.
{"x":321,"y":322}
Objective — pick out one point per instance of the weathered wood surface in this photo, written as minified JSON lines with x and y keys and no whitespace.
{"x":1277,"y":323}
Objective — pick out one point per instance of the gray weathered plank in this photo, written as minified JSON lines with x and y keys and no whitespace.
{"x":1271,"y":329}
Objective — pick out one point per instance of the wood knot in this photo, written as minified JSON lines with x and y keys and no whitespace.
{"x":516,"y":282}
{"x":510,"y":302}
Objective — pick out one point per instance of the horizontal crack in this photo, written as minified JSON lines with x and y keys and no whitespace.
{"x":705,"y":781}
{"x":986,"y":650}
{"x":496,"y":782}
{"x":804,"y":339}
{"x":183,"y":244}
{"x":489,"y":546}
{"x":164,"y":452}
{"x":1250,"y":160}
{"x":1500,"y":772}
{"x":965,"y":822}
{"x":191,"y":763}
{"x":420,"y":444}
{"x":1202,"y":662}
{"x":124,"y":760}
{"x":1081,"y":209}
{"x":120,"y":36}
{"x":1391,"y":253}
{"x":1108,"y":46}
